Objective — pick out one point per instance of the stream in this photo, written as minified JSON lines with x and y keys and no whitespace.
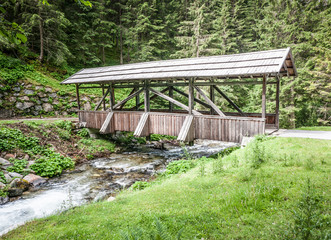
{"x":97,"y":180}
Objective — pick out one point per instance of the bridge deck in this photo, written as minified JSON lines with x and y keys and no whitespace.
{"x":229,"y":129}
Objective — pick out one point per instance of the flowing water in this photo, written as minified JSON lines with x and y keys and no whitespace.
{"x":97,"y":180}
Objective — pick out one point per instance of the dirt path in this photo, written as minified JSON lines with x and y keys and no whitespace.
{"x":303,"y":134}
{"x":40,"y":119}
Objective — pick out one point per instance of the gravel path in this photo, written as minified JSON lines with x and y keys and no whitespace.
{"x":303,"y":134}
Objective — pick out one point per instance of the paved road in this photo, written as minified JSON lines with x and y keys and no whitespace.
{"x":303,"y":134}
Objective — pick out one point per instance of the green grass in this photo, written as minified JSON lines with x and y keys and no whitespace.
{"x":241,"y":201}
{"x":317,"y":128}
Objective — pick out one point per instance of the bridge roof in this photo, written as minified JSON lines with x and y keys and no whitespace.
{"x":243,"y":65}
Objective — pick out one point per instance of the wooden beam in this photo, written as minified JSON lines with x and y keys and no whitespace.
{"x":77,"y":96}
{"x":195,"y":99}
{"x":217,"y":110}
{"x":171,"y":94}
{"x":127,"y":99}
{"x":185,"y":84}
{"x":264,"y":90}
{"x":137,"y":98}
{"x":190,"y":96}
{"x":132,"y":91}
{"x":111,"y":97}
{"x":277,"y":103}
{"x":151,"y":98}
{"x":106,"y":123}
{"x":146,"y":96}
{"x":186,"y":133}
{"x":229,"y":100}
{"x":142,"y":127}
{"x":102,"y":101}
{"x":212,"y":96}
{"x":179,"y":104}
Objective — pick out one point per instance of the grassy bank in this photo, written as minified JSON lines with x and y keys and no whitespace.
{"x":278,"y":188}
{"x":317,"y":128}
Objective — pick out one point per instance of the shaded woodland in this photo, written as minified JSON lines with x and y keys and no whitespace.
{"x":67,"y":33}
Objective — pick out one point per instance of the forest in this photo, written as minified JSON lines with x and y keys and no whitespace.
{"x":67,"y":35}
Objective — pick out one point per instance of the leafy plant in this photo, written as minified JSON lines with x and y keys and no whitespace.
{"x":180,"y":166}
{"x":2,"y":177}
{"x":52,"y":166}
{"x":19,"y":166}
{"x":84,"y":133}
{"x":140,"y":185}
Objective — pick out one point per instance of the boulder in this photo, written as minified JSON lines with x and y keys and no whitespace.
{"x":4,"y":200}
{"x":17,"y":89}
{"x":41,"y":94}
{"x":52,"y":95}
{"x":15,"y":192}
{"x":2,"y":185}
{"x":49,"y":90}
{"x":8,"y":178}
{"x":26,"y":157}
{"x":28,"y":92}
{"x":15,"y":175}
{"x":47,"y":107}
{"x":38,"y":108}
{"x":34,"y":180}
{"x":12,"y":99}
{"x":39,"y":87}
{"x":25,"y":105}
{"x":19,"y":183}
{"x":24,"y":98}
{"x":110,"y":199}
{"x":45,"y":99}
{"x":9,"y":155}
{"x":4,"y":162}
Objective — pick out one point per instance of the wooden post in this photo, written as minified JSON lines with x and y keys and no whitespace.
{"x":211,"y":96}
{"x":277,"y":102}
{"x":77,"y":95}
{"x":190,"y":96}
{"x":264,"y":90}
{"x":171,"y":94}
{"x":103,"y":101}
{"x":137,"y":97}
{"x":111,"y":95}
{"x":146,"y":90}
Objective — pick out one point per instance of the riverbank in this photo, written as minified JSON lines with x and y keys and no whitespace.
{"x":33,"y":151}
{"x":264,"y":191}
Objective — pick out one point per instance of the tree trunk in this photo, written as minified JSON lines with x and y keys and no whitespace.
{"x":41,"y":32}
{"x":103,"y":55}
{"x":121,"y":45}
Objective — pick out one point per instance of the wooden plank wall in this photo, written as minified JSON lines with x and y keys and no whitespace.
{"x":228,"y":129}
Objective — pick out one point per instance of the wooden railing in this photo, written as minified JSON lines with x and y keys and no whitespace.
{"x":228,"y":129}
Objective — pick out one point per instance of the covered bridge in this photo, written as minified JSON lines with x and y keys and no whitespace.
{"x":163,"y":79}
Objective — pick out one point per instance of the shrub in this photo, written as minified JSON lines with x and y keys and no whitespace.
{"x":2,"y":177}
{"x":140,"y":185}
{"x":180,"y":166}
{"x":84,"y":133}
{"x":19,"y":166}
{"x":52,"y":166}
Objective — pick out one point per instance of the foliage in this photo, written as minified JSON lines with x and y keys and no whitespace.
{"x":309,"y":220}
{"x":180,"y":166}
{"x":158,"y":137}
{"x":140,"y":185}
{"x":19,"y":166}
{"x":84,"y":133}
{"x":13,"y":138}
{"x":52,"y":165}
{"x":216,"y":206}
{"x":3,"y":193}
{"x":2,"y":177}
{"x":96,"y":145}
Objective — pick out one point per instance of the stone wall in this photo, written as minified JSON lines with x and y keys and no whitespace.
{"x":27,"y":99}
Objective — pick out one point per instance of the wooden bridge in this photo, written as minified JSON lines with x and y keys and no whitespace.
{"x":185,"y":77}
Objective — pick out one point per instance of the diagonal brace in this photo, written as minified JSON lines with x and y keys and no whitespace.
{"x":219,"y":112}
{"x":179,"y":104}
{"x":229,"y":100}
{"x":102,"y":99}
{"x":128,"y":98}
